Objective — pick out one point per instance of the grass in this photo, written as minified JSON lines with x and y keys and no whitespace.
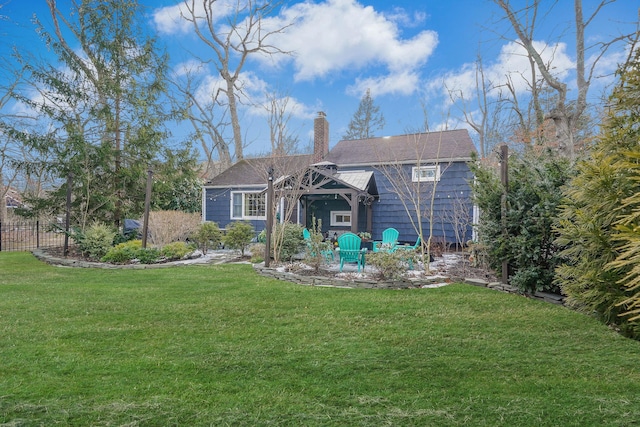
{"x":220,"y":345}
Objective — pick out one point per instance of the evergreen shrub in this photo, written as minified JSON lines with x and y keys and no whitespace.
{"x":239,"y":235}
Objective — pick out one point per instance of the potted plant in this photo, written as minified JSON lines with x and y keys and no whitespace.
{"x":365,"y":235}
{"x":366,"y":240}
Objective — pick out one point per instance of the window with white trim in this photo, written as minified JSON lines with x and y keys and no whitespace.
{"x":425,"y":173}
{"x":340,"y":218}
{"x":248,"y":206}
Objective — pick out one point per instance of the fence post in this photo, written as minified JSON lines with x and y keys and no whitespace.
{"x":38,"y":234}
{"x":504,"y":179}
{"x":68,"y":217}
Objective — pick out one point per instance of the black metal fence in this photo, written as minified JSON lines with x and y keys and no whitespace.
{"x":28,"y":235}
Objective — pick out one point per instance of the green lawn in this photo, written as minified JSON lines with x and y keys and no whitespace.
{"x":220,"y":345}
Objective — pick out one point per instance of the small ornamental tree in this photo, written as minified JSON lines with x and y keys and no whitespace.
{"x":317,"y":247}
{"x":239,"y":235}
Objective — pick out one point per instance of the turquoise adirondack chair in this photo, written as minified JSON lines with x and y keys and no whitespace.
{"x":328,"y":254}
{"x":389,"y":241}
{"x":411,"y":250}
{"x":349,"y":250}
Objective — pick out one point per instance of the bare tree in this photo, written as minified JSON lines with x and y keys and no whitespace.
{"x":417,"y":193}
{"x":487,"y":120}
{"x":566,"y":113}
{"x":208,"y":118}
{"x":11,"y":149}
{"x":279,"y":114}
{"x":233,"y":42}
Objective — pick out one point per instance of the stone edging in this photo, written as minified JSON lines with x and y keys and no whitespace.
{"x":413,"y":283}
{"x":72,"y":262}
{"x":320,"y":281}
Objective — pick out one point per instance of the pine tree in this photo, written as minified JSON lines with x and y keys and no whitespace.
{"x":366,"y":120}
{"x":103,"y":101}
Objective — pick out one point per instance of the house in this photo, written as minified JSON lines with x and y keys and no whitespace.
{"x":12,"y":198}
{"x":406,"y":182}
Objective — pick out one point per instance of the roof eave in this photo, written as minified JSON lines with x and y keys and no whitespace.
{"x":408,"y":162}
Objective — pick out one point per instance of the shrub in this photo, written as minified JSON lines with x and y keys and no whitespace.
{"x":123,"y":253}
{"x":148,"y":255}
{"x":534,"y":197}
{"x":239,"y":235}
{"x":391,"y":265}
{"x":171,"y":226}
{"x":257,"y":252}
{"x":96,"y":240}
{"x":292,"y":241}
{"x":175,"y":250}
{"x":208,"y":235}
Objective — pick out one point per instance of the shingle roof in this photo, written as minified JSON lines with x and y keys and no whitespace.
{"x":440,"y":146}
{"x":253,"y":172}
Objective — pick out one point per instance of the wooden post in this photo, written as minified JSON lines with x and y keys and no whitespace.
{"x":67,"y":223}
{"x":354,"y":212}
{"x":504,"y":179}
{"x":269,"y":206}
{"x":147,"y":207}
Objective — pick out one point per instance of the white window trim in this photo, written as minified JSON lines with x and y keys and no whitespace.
{"x":243,"y":216}
{"x":334,"y":221}
{"x":416,"y":177}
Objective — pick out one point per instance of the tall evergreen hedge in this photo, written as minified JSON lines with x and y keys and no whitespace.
{"x":599,"y":225}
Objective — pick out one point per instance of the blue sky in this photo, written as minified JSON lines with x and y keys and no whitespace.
{"x":407,"y":52}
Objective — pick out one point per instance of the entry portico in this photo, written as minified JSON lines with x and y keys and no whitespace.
{"x":341,"y":200}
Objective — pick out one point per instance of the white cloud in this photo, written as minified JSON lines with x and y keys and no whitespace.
{"x":252,"y":95}
{"x":402,"y":82}
{"x":171,"y":19}
{"x":344,"y":35}
{"x":190,"y":68}
{"x":401,"y":17}
{"x":511,"y":66}
{"x":249,"y":87}
{"x":291,"y":105}
{"x":333,"y":38}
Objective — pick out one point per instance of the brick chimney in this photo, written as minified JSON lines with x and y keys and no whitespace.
{"x":320,"y":137}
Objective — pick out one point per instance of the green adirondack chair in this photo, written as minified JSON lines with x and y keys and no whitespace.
{"x":389,"y":241}
{"x":349,"y":250}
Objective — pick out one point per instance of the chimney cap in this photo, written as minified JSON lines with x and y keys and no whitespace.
{"x":321,"y":114}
